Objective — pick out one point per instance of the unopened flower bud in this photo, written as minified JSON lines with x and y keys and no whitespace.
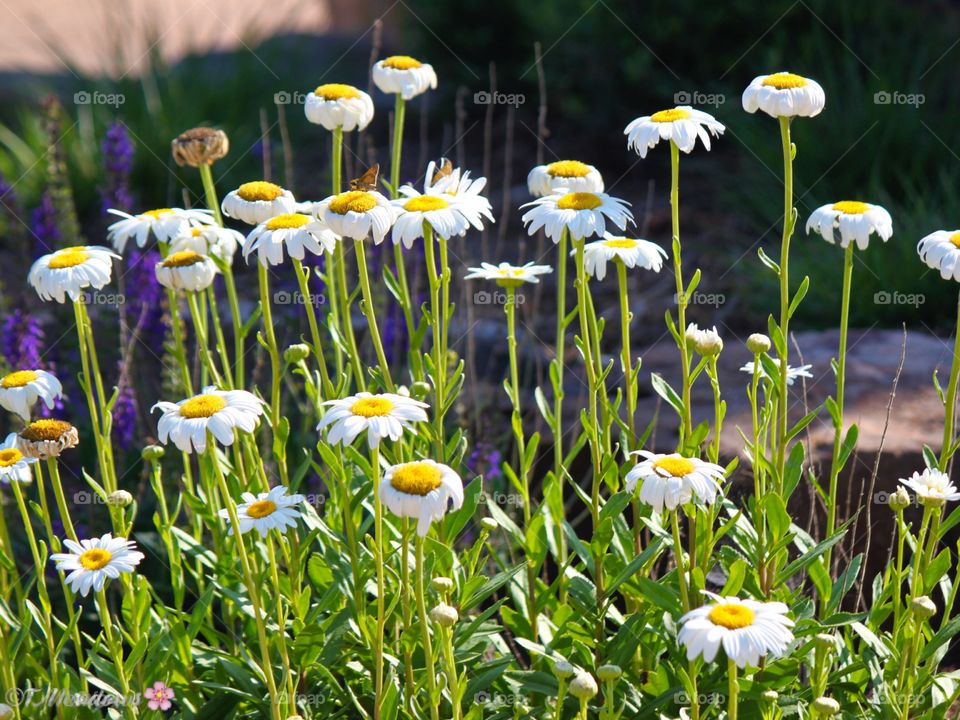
{"x":758,"y":343}
{"x":442,"y":584}
{"x":489,"y":524}
{"x":583,"y":686}
{"x":707,"y":341}
{"x":199,"y":146}
{"x":120,"y":498}
{"x":296,"y":353}
{"x":770,"y":696}
{"x":152,"y":453}
{"x":609,"y":672}
{"x":923,"y":607}
{"x":899,"y":500}
{"x":445,"y":615}
{"x":420,"y":389}
{"x":825,"y":641}
{"x":563,"y":669}
{"x":826,"y":706}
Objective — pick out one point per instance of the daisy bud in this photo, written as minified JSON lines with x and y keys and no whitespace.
{"x":609,"y":672}
{"x":583,"y":686}
{"x":442,"y":585}
{"x":770,"y":696}
{"x":758,"y":343}
{"x":923,"y":607}
{"x":296,"y":353}
{"x":709,"y":345}
{"x":200,"y":146}
{"x":825,"y":641}
{"x":152,"y":453}
{"x":120,"y":498}
{"x":444,"y":615}
{"x":826,"y":706}
{"x":563,"y":669}
{"x":420,"y":390}
{"x":899,"y":500}
{"x":489,"y":524}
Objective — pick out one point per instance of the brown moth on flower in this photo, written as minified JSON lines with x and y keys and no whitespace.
{"x":199,"y":146}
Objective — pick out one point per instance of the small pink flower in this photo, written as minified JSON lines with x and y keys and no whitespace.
{"x":159,"y":696}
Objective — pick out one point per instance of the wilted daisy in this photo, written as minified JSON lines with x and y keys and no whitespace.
{"x":212,"y":240}
{"x":90,"y":563}
{"x":507,"y":275}
{"x":294,"y":231}
{"x":784,"y":94}
{"x":630,"y":251}
{"x":584,"y":213}
{"x":186,"y":270}
{"x":854,"y":220}
{"x":266,"y":511}
{"x":932,"y":486}
{"x":569,"y":175}
{"x":220,"y":411}
{"x":404,"y":75}
{"x":792,"y":372}
{"x":682,"y":125}
{"x":339,"y":106}
{"x":164,"y":224}
{"x":14,"y":465}
{"x":358,"y":213}
{"x":258,"y":201}
{"x":382,"y":416}
{"x":423,"y":489}
{"x":673,"y":480}
{"x":47,"y":438}
{"x":746,"y":629}
{"x":20,"y":390}
{"x":436,"y":210}
{"x":70,"y":270}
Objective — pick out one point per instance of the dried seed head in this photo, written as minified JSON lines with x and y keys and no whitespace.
{"x":199,"y":146}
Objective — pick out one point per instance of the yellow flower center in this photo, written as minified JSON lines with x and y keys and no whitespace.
{"x":425,"y":203}
{"x":18,"y":378}
{"x":579,"y":201}
{"x":359,"y":201}
{"x":402,"y":62}
{"x":337,"y":91}
{"x":96,"y":559}
{"x":289,"y":221}
{"x":665,"y":116}
{"x":69,"y":257}
{"x":675,"y":466}
{"x":10,"y":456}
{"x":261,"y":508}
{"x":568,"y":168}
{"x":955,"y":239}
{"x":183,"y":258}
{"x":202,"y":406}
{"x":259,"y":190}
{"x":369,"y":407}
{"x":156,"y":214}
{"x":784,"y":81}
{"x":732,"y":616}
{"x":621,"y":243}
{"x":45,"y":430}
{"x":416,"y":478}
{"x":851,"y":207}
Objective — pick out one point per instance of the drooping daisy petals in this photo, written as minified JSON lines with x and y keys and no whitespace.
{"x":681,"y":125}
{"x":423,"y":490}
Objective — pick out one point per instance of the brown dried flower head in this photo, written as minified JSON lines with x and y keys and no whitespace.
{"x":200,"y":146}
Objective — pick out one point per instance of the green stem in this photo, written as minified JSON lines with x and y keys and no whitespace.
{"x":788,"y":222}
{"x":303,"y":279}
{"x":950,"y":402}
{"x":202,"y":341}
{"x":275,"y":369}
{"x":734,"y":684}
{"x":433,"y":700}
{"x":381,"y":580}
{"x":235,"y":319}
{"x":678,"y":555}
{"x":116,"y":650}
{"x":210,"y":190}
{"x":370,"y":312}
{"x":439,"y":361}
{"x":559,"y":467}
{"x":686,"y":420}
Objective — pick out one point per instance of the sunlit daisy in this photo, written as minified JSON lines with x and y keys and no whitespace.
{"x":940,"y":250}
{"x":784,"y":94}
{"x":47,"y":438}
{"x":683,"y":125}
{"x":932,"y":485}
{"x":792,"y":372}
{"x":382,"y":416}
{"x":20,"y":390}
{"x":213,"y":240}
{"x":404,"y":75}
{"x":258,"y":201}
{"x":220,"y":411}
{"x":423,"y":489}
{"x":90,"y":563}
{"x":507,"y":275}
{"x":70,"y":270}
{"x":339,"y":106}
{"x":851,"y":220}
{"x":164,"y":224}
{"x":584,"y":213}
{"x":569,"y":175}
{"x":358,"y":213}
{"x":630,"y":251}
{"x":457,"y":188}
{"x":295,"y":232}
{"x":186,"y":270}
{"x":266,"y":511}
{"x":673,"y":480}
{"x":746,"y":629}
{"x":437,"y":211}
{"x":14,"y":465}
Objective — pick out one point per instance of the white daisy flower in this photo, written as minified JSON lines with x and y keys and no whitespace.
{"x":213,"y":240}
{"x":20,"y":390}
{"x":853,"y":219}
{"x":630,"y":251}
{"x":746,"y":629}
{"x":507,"y":275}
{"x":585,"y":214}
{"x":423,"y":489}
{"x":186,"y":270}
{"x":294,"y":231}
{"x":673,"y":480}
{"x":70,"y":270}
{"x":266,"y":511}
{"x":47,"y":438}
{"x":436,"y":210}
{"x":933,"y":485}
{"x":92,"y":562}
{"x":681,"y":125}
{"x":404,"y":75}
{"x":383,"y":416}
{"x":784,"y":94}
{"x":257,"y":202}
{"x":164,"y":224}
{"x":220,"y":411}
{"x":336,"y":105}
{"x":940,"y":250}
{"x":14,"y":465}
{"x":569,"y":175}
{"x":358,"y":213}
{"x":460,"y":190}
{"x":792,"y":372}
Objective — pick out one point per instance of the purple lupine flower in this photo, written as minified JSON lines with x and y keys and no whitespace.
{"x":144,"y":298}
{"x":117,"y":162}
{"x":485,"y":460}
{"x":21,"y":343}
{"x":46,"y":230}
{"x":125,"y":413}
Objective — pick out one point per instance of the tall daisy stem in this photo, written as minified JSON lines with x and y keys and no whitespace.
{"x":686,"y":421}
{"x":199,"y":328}
{"x":115,"y":645}
{"x":381,"y":580}
{"x":433,"y":700}
{"x":303,"y":279}
{"x":370,"y":312}
{"x":439,"y":358}
{"x":559,"y":467}
{"x":950,"y":401}
{"x":279,"y":446}
{"x":734,"y":684}
{"x":788,"y":223}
